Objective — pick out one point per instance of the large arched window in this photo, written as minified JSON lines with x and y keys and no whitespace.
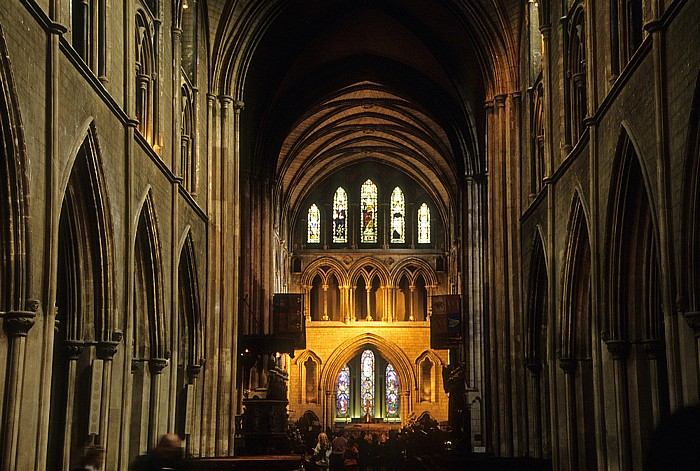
{"x":392,"y":392}
{"x":340,"y":206}
{"x":313,"y":225}
{"x":343,"y":393}
{"x":367,"y":383}
{"x":368,"y":204}
{"x":424,"y":224}
{"x":398,"y":217}
{"x":576,"y":75}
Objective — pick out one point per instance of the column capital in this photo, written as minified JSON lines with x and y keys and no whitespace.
{"x":18,"y":323}
{"x":653,"y":347}
{"x":193,"y":372}
{"x":534,"y":368}
{"x":619,"y":349}
{"x":106,"y":350}
{"x":693,"y":320}
{"x":568,"y":365}
{"x":238,"y":105}
{"x":73,"y":349}
{"x":156,"y":365}
{"x":500,"y":99}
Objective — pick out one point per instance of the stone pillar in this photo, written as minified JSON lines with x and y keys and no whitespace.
{"x":325,"y":301}
{"x":328,"y":410}
{"x":412,"y":289}
{"x":368,"y":288}
{"x":568,"y":365}
{"x":155,"y":366}
{"x":105,"y":351}
{"x":664,"y":203}
{"x":693,"y":320}
{"x":619,"y":349}
{"x":73,"y":350}
{"x":406,"y":406}
{"x":654,"y":350}
{"x":16,"y":325}
{"x":534,"y":410}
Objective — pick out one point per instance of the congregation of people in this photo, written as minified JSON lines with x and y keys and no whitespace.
{"x":370,"y":451}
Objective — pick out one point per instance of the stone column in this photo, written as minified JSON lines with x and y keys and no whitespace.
{"x":568,"y":365}
{"x":412,"y":289}
{"x":368,"y":288}
{"x":325,"y":301}
{"x":73,"y":350}
{"x":693,"y":320}
{"x":534,"y":411}
{"x":16,"y":325}
{"x":619,"y":349}
{"x":654,"y":350}
{"x":406,"y":406}
{"x":155,"y":366}
{"x":328,"y":410}
{"x":105,"y":351}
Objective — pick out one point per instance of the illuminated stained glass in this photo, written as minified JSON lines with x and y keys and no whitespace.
{"x":367,"y":389}
{"x":314,"y":225}
{"x":368,"y":203}
{"x":340,"y":206}
{"x":398,"y":217}
{"x":392,"y":392}
{"x":424,"y":224}
{"x":343,"y":394}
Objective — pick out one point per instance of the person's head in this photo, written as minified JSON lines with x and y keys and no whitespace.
{"x":94,"y":456}
{"x":322,"y":439}
{"x":169,"y":447}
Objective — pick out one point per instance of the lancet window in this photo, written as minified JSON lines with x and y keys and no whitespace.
{"x":398,"y":217}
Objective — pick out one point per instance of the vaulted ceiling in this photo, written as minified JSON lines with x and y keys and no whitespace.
{"x":329,"y":83}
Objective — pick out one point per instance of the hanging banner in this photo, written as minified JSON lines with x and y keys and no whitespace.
{"x":446,"y":321}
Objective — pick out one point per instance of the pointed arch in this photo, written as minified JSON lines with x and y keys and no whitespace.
{"x":14,"y":206}
{"x":690,"y":222}
{"x":189,"y":304}
{"x":84,"y":300}
{"x":150,"y":335}
{"x":635,"y":329}
{"x":351,"y":347}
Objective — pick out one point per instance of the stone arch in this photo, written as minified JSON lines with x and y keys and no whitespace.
{"x":428,"y":381}
{"x":367,"y":268}
{"x":537,"y":349}
{"x":576,"y":328}
{"x":309,"y":388}
{"x":148,"y":285}
{"x":14,"y":206}
{"x":634,"y":333}
{"x":317,"y":268}
{"x":85,"y":298}
{"x":422,"y":267}
{"x":351,"y":347}
{"x":189,"y":302}
{"x":689,"y":292}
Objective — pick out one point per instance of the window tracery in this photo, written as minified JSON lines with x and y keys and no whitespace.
{"x":424,"y":224}
{"x":398,"y":216}
{"x":368,"y":223}
{"x":313,"y":225}
{"x":340,"y":205}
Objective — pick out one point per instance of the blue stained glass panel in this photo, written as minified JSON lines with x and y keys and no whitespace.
{"x":313,"y":225}
{"x":392,"y":392}
{"x":368,"y":205}
{"x":343,"y":393}
{"x":367,"y":383}
{"x":398,"y":217}
{"x":340,"y":207}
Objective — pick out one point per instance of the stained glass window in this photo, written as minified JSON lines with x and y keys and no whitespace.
{"x":367,"y":388}
{"x":340,"y":206}
{"x":342,"y":401}
{"x":368,"y":203}
{"x":392,"y":392}
{"x":398,"y":217}
{"x":314,"y":225}
{"x":424,"y":224}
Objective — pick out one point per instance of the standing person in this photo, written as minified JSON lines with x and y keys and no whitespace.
{"x":322,"y":453}
{"x":363,"y":447}
{"x":167,"y":455}
{"x":338,"y":448}
{"x":351,"y":455}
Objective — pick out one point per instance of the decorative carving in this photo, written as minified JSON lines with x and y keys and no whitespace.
{"x":156,"y":365}
{"x":618,"y":348}
{"x":73,"y":349}
{"x":347,"y":260}
{"x":106,"y":350}
{"x":117,"y":336}
{"x":653,"y":347}
{"x":135,"y":366}
{"x":693,"y":320}
{"x":18,"y":323}
{"x":568,"y":365}
{"x":32,"y":305}
{"x":389,"y":261}
{"x":193,"y":372}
